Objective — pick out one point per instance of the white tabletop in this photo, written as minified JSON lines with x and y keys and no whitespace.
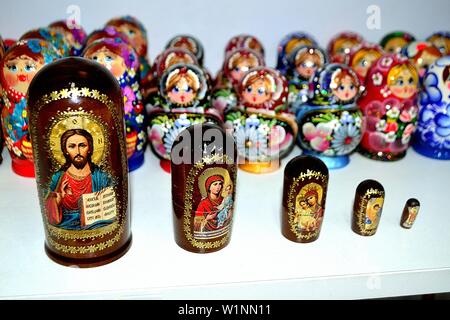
{"x":259,"y":263}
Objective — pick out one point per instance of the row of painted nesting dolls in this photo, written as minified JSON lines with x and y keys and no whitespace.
{"x":330,"y":124}
{"x":121,"y":47}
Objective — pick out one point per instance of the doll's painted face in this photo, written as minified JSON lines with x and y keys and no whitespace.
{"x":402,"y":84}
{"x":112,"y":61}
{"x":136,"y":37}
{"x":19,"y":72}
{"x":344,"y":88}
{"x":242,"y":65}
{"x":307,"y":64}
{"x":395,"y":45}
{"x":361,"y":64}
{"x":257,"y":92}
{"x":182,"y":92}
{"x":424,"y":60}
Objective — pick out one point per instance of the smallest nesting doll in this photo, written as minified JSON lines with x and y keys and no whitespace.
{"x":410,"y":212}
{"x":368,"y":206}
{"x":304,"y":195}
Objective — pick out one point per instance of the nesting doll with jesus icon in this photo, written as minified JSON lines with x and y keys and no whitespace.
{"x":77,"y":128}
{"x":204,"y":171}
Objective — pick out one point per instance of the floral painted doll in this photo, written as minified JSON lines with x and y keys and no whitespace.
{"x":136,"y":33}
{"x":244,"y":41}
{"x":422,"y":55}
{"x":390,"y":107}
{"x":341,"y":44}
{"x":263,"y":128}
{"x":362,"y":57}
{"x":74,"y":34}
{"x":18,"y":67}
{"x":183,"y":100}
{"x":394,"y":42}
{"x":330,"y":123}
{"x":441,"y":40}
{"x":303,"y":63}
{"x":432,"y":137}
{"x":53,"y":37}
{"x":123,"y":62}
{"x":288,"y":44}
{"x":236,"y":64}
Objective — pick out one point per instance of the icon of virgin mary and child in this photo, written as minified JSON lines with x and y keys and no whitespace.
{"x":308,"y":211}
{"x":215,"y":209}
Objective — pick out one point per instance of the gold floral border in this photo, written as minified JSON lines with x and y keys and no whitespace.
{"x":72,"y":93}
{"x":361,"y":214}
{"x":187,"y":221}
{"x":309,"y":175}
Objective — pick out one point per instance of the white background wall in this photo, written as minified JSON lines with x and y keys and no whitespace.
{"x":214,"y":22}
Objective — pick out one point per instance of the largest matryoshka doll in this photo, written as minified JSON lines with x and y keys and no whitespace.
{"x":183,"y":101}
{"x":288,"y":44}
{"x":73,"y":33}
{"x":340,"y":45}
{"x":236,"y":64}
{"x":137,"y":36}
{"x":52,"y":36}
{"x":123,"y":62}
{"x":330,"y":123}
{"x":263,"y":128}
{"x":432,"y":137}
{"x":18,"y":67}
{"x":390,"y":107}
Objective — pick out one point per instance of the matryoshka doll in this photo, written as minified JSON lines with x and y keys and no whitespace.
{"x":340,"y":45}
{"x":362,"y":57}
{"x":123,"y":62}
{"x":73,"y":33}
{"x":244,"y":41}
{"x":287,"y":46}
{"x":189,"y":43}
{"x":236,"y":64}
{"x":107,"y":32}
{"x":183,"y":101}
{"x":204,"y":176}
{"x":18,"y":67}
{"x":78,"y":134}
{"x":432,"y":137}
{"x":441,"y":40}
{"x":390,"y":108}
{"x":263,"y":128}
{"x":394,"y":42}
{"x":52,"y":36}
{"x":422,"y":55}
{"x":303,"y":63}
{"x":331,"y":124}
{"x":137,"y":36}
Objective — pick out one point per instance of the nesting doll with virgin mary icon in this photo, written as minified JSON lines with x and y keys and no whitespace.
{"x":340,"y":45}
{"x":394,"y":42}
{"x":389,"y":105}
{"x":441,"y":40}
{"x":304,"y":196}
{"x":432,"y":137}
{"x":236,"y":64}
{"x":183,"y":100}
{"x":263,"y":128}
{"x":331,"y":124}
{"x":52,"y":36}
{"x":18,"y":67}
{"x":123,"y":62}
{"x":287,"y":45}
{"x":303,"y":63}
{"x":422,"y":55}
{"x":362,"y":57}
{"x":204,"y":172}
{"x":244,"y":41}
{"x":78,"y":134}
{"x":73,"y":33}
{"x":136,"y":33}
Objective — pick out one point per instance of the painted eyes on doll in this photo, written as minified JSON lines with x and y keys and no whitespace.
{"x":342,"y":87}
{"x":131,"y":32}
{"x":308,"y":65}
{"x":13,"y":68}
{"x":30,"y":68}
{"x":401,"y":82}
{"x":261,"y":91}
{"x":187,"y":89}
